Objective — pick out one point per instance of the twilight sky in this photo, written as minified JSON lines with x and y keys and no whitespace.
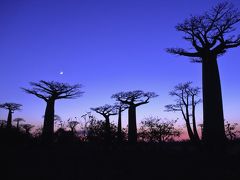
{"x":106,"y":45}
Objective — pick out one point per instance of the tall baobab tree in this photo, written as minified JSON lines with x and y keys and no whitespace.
{"x":120,"y":108}
{"x":50,"y":91}
{"x":186,"y":103}
{"x":106,"y":111}
{"x":18,"y":120}
{"x":211,"y":35}
{"x":11,"y":107}
{"x":133,"y":99}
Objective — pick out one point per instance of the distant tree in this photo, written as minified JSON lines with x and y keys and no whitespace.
{"x":72,"y":125}
{"x":120,"y":108}
{"x":106,"y":111}
{"x":96,"y":130}
{"x":186,"y":102}
{"x":231,"y":130}
{"x":3,"y":123}
{"x":211,"y":36}
{"x":154,"y":129}
{"x":133,"y":99}
{"x":11,"y":107}
{"x":27,"y":128}
{"x":51,"y":91}
{"x":18,"y":120}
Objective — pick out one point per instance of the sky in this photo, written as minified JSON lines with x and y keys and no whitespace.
{"x":108,"y":46}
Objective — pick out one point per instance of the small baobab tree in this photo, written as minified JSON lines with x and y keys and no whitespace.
{"x":18,"y":121}
{"x":211,"y":35}
{"x":50,"y":91}
{"x":106,"y":111}
{"x":11,"y":107}
{"x":120,"y":108}
{"x":72,"y":125}
{"x":133,"y":99}
{"x":27,"y":128}
{"x":186,"y":102}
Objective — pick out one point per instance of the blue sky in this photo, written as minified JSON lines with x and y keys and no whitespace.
{"x":106,"y":45}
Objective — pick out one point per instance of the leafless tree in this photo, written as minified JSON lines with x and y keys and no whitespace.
{"x":50,"y":91}
{"x":11,"y":107}
{"x":186,"y":102}
{"x":211,"y":35}
{"x":106,"y":111}
{"x":133,"y":99}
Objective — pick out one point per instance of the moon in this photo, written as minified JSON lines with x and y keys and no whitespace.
{"x":61,"y":73}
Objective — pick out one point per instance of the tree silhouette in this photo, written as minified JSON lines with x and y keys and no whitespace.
{"x":18,"y":120}
{"x":120,"y":108}
{"x":231,"y":130}
{"x":27,"y":128}
{"x":3,"y":123}
{"x":154,"y":129}
{"x":106,"y":111}
{"x":186,"y":103}
{"x":72,"y":125}
{"x":50,"y":91}
{"x":133,"y":99}
{"x":210,"y":35}
{"x":11,"y":107}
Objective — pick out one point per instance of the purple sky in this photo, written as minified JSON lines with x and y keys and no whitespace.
{"x":106,"y":45}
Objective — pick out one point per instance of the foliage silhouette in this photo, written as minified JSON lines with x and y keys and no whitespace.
{"x":231,"y":130}
{"x":11,"y":107}
{"x":210,"y":35}
{"x":186,"y":103}
{"x":50,"y":91}
{"x":133,"y":99}
{"x":154,"y":129}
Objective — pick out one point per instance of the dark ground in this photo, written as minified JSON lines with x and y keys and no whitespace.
{"x":142,"y":161}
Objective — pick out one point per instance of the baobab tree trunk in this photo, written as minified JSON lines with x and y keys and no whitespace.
{"x":213,"y":119}
{"x":196,"y":136}
{"x":189,"y":130}
{"x":48,"y":125}
{"x":119,"y":133}
{"x":132,"y":124}
{"x":107,"y":130}
{"x":9,"y":119}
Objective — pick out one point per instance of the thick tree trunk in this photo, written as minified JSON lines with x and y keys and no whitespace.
{"x":48,"y":125}
{"x":213,"y":119}
{"x":107,"y":130}
{"x":119,"y":132}
{"x":9,"y":119}
{"x":132,"y":124}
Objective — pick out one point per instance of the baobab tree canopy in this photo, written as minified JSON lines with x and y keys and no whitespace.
{"x":51,"y":89}
{"x":210,"y":32}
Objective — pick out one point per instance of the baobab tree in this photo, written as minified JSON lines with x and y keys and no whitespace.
{"x":11,"y":107}
{"x":27,"y":128}
{"x":18,"y":120}
{"x":106,"y":111}
{"x":186,"y":102}
{"x":133,"y":99}
{"x":50,"y":91}
{"x":72,"y":125}
{"x":210,"y":35}
{"x":120,"y":108}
